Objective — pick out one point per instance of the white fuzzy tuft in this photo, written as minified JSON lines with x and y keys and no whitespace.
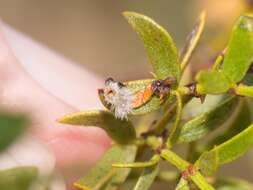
{"x":120,"y":98}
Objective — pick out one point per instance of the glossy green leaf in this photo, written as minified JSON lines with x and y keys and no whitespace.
{"x":240,"y":50}
{"x":11,"y":127}
{"x":160,"y":47}
{"x":192,"y":40}
{"x":153,"y":104}
{"x":212,"y":82}
{"x":236,"y":62}
{"x":121,"y":131}
{"x":147,"y":178}
{"x":233,"y":148}
{"x":103,"y":174}
{"x":182,"y":185}
{"x":242,"y":120}
{"x":226,"y":183}
{"x":208,"y":121}
{"x":19,"y":178}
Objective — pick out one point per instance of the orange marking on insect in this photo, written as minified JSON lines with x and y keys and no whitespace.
{"x":142,"y":96}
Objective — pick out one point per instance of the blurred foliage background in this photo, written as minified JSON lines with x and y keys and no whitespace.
{"x":94,"y":34}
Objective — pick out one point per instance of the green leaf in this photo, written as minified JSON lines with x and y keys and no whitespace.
{"x":192,"y":40}
{"x":19,"y":178}
{"x":208,"y":121}
{"x":103,"y":174}
{"x":226,"y":183}
{"x":241,"y":121}
{"x":160,"y":47}
{"x":233,"y":148}
{"x":122,"y":131}
{"x":11,"y":127}
{"x":209,"y":163}
{"x":240,"y":50}
{"x":236,"y":62}
{"x":182,"y":185}
{"x":147,"y":178}
{"x":212,"y":82}
{"x":153,"y":104}
{"x":153,"y":161}
{"x":128,"y":155}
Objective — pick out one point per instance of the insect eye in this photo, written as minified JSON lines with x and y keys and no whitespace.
{"x":158,"y":83}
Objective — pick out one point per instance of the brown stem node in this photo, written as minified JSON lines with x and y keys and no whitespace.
{"x":190,"y":171}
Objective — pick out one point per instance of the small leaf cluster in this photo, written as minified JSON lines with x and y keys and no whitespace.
{"x":178,"y":117}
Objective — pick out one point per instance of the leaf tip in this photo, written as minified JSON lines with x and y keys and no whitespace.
{"x":63,"y":120}
{"x":60,"y":120}
{"x":128,"y":14}
{"x":131,"y":17}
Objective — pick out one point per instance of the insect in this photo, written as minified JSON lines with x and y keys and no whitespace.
{"x":160,"y":88}
{"x":122,"y":100}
